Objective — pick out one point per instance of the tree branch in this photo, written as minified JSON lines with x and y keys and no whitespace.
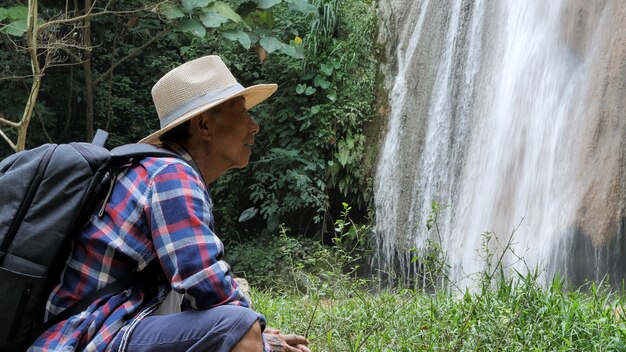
{"x":88,"y":74}
{"x":70,"y":20}
{"x":90,"y":14}
{"x":43,"y":127}
{"x":8,"y":140}
{"x":13,"y":124}
{"x":15,"y":78}
{"x":130,"y":55}
{"x":31,"y":38}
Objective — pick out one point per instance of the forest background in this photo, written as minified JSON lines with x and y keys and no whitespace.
{"x":96,"y":62}
{"x":296,"y":221}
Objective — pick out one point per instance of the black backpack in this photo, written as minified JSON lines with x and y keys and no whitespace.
{"x":46,"y":195}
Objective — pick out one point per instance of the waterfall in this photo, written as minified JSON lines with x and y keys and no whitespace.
{"x":390,"y":153}
{"x":512,"y":114}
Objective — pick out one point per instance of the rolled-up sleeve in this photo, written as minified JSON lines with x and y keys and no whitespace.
{"x":181,"y":224}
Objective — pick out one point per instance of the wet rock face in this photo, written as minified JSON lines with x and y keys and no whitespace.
{"x":580,"y":205}
{"x":413,"y":71}
{"x":603,"y":149}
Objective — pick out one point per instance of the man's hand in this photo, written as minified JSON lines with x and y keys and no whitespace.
{"x":286,"y":343}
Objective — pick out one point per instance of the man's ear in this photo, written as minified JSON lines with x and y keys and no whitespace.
{"x":203,"y":125}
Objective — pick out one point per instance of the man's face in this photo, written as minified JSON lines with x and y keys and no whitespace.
{"x":233,"y":133}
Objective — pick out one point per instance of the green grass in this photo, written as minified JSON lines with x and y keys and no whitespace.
{"x":510,"y":315}
{"x":313,"y":290}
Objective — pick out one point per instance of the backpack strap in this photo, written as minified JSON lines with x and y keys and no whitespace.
{"x":139,"y":151}
{"x":100,"y":138}
{"x":132,"y":150}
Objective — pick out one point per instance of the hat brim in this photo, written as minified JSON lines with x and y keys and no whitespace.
{"x":253,"y":96}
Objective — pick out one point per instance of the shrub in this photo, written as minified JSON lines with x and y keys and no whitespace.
{"x":299,"y":264}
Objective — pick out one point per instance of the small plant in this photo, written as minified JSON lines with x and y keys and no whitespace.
{"x":432,"y":259}
{"x":350,"y":240}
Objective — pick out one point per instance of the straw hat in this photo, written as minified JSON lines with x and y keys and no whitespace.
{"x":197,"y":86}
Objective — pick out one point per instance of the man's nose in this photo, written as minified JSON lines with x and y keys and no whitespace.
{"x":254,"y":127}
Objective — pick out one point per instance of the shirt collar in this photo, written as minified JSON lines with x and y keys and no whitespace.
{"x":184,"y":154}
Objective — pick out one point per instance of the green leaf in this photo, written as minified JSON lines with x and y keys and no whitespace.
{"x":225,"y":10}
{"x":321,"y":82}
{"x":192,"y":26}
{"x":238,"y":35}
{"x":290,"y":50}
{"x":248,"y":214}
{"x":332,"y":96}
{"x":316,"y":80}
{"x":254,"y":38}
{"x":270,"y":44}
{"x":193,"y":4}
{"x":16,"y":28}
{"x":212,"y":19}
{"x":264,"y":17}
{"x":272,"y":222}
{"x":172,"y":11}
{"x":300,"y":88}
{"x":302,"y":6}
{"x":309,"y":90}
{"x":3,"y":14}
{"x":266,"y":4}
{"x":17,"y":13}
{"x":307,"y":76}
{"x":231,"y":35}
{"x":327,"y":69}
{"x":342,"y":157}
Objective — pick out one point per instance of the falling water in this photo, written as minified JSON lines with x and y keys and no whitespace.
{"x":510,"y":112}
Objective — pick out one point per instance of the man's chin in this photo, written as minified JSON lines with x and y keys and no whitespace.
{"x":241,"y":164}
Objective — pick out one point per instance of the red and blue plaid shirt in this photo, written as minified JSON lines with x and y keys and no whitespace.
{"x":159,"y":210}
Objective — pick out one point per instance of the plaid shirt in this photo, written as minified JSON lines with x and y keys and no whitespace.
{"x":159,"y":210}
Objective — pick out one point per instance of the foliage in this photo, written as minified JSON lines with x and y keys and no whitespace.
{"x":250,"y":23}
{"x":503,"y":312}
{"x":268,"y":261}
{"x":14,"y":20}
{"x":347,"y":77}
{"x":308,"y":154}
{"x":63,"y":36}
{"x":300,"y":264}
{"x":350,"y":241}
{"x":516,"y":315}
{"x":432,"y":259}
{"x":310,"y":148}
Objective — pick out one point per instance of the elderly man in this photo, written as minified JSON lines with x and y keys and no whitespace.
{"x":159,"y":215}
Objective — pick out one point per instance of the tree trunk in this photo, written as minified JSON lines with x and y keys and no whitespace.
{"x":31,"y":36}
{"x":89,"y":84}
{"x":22,"y":125}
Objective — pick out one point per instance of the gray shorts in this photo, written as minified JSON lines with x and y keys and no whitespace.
{"x":216,"y":329}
